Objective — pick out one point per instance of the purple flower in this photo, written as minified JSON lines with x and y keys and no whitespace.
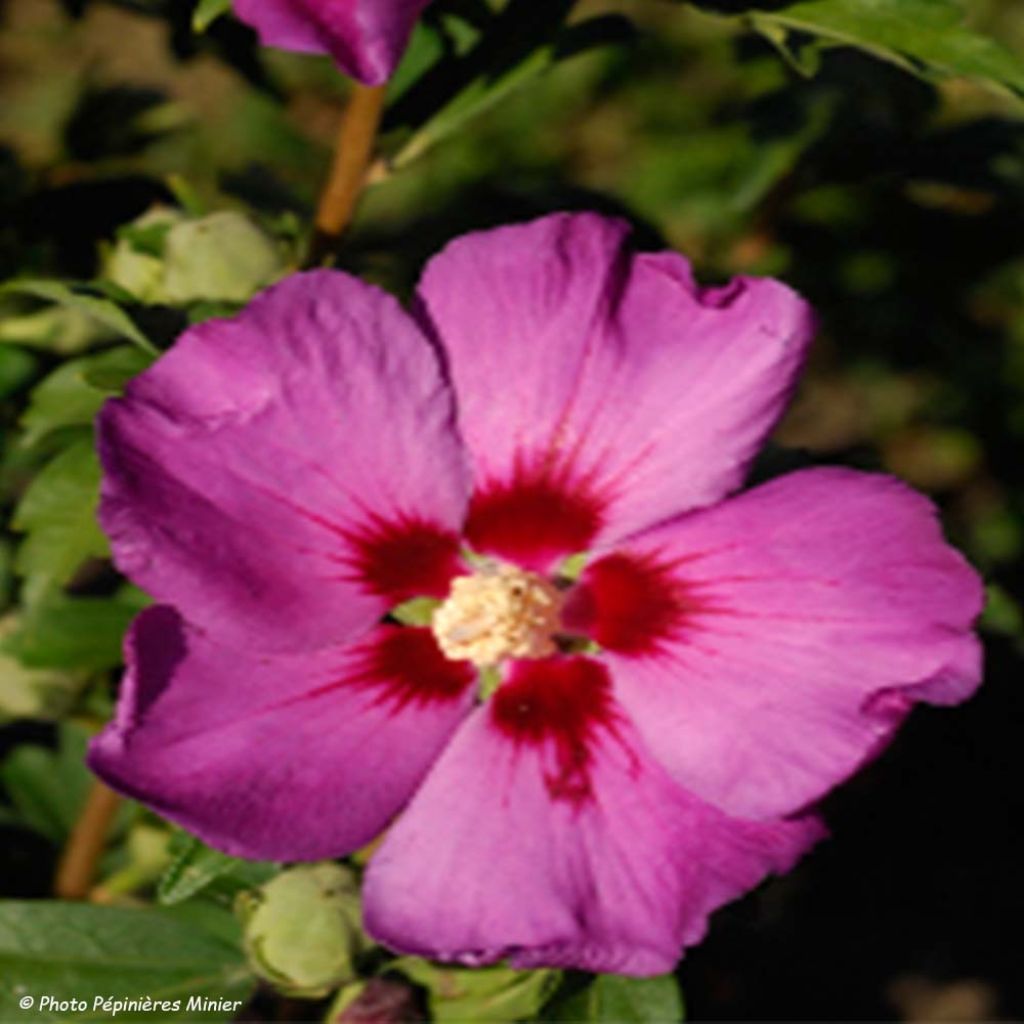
{"x":365,"y":37}
{"x":639,"y":746}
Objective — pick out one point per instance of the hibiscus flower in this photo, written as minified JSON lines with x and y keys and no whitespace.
{"x":576,"y":759}
{"x":366,"y":38}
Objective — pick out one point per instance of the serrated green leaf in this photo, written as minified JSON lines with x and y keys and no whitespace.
{"x":197,"y":866}
{"x":207,"y":12}
{"x":58,"y":515}
{"x":72,"y":395}
{"x":522,"y":42}
{"x":927,"y":37}
{"x":89,"y":953}
{"x":75,"y":633}
{"x":103,"y":311}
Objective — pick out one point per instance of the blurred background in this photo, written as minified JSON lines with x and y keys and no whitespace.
{"x":895,"y":204}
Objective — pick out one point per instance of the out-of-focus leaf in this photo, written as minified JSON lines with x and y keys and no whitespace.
{"x":106,"y":956}
{"x":58,"y":329}
{"x":16,"y":369}
{"x":32,"y":693}
{"x":47,"y":787}
{"x":58,"y":515}
{"x":927,"y":37}
{"x":72,"y":395}
{"x":75,"y":633}
{"x":196,"y":867}
{"x":148,"y":856}
{"x":103,"y":311}
{"x":521,"y":43}
{"x":207,"y":12}
{"x":613,"y":999}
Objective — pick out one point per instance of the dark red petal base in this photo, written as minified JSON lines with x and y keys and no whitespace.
{"x":407,"y":667}
{"x":560,"y":705}
{"x":404,"y":558}
{"x":534,"y":518}
{"x":629,"y":604}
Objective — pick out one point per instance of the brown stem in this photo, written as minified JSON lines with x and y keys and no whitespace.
{"x":348,"y":173}
{"x":85,"y":845}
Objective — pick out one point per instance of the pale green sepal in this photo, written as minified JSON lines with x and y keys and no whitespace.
{"x":572,"y":566}
{"x":490,"y":680}
{"x":419,"y":611}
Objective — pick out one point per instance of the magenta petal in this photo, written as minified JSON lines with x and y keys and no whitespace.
{"x":810,"y":613}
{"x":547,"y":835}
{"x":600,"y":392}
{"x":365,"y":37}
{"x":285,"y":476}
{"x":292,"y":757}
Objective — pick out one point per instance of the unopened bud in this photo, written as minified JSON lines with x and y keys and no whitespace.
{"x":302,"y":929}
{"x":482,"y":995}
{"x":378,"y":1001}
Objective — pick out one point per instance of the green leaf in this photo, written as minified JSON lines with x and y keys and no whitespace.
{"x":17,"y":368}
{"x":927,"y":37}
{"x":58,"y":514}
{"x":103,"y":311}
{"x":102,"y":956}
{"x":75,"y":633}
{"x":73,"y":394}
{"x":525,"y":40}
{"x":53,"y":329}
{"x":197,"y":866}
{"x":207,"y":12}
{"x":42,"y":694}
{"x":612,"y":999}
{"x":46,"y":787}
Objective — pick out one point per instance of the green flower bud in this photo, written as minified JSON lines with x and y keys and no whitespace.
{"x":487,"y":995}
{"x":223,"y":257}
{"x":165,"y":256}
{"x":302,"y":929}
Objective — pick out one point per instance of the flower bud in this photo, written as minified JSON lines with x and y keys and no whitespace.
{"x":302,"y":929}
{"x":378,"y":1001}
{"x":484,"y":995}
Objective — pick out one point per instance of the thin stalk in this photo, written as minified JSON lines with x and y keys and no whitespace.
{"x":78,"y":864}
{"x":348,"y":174}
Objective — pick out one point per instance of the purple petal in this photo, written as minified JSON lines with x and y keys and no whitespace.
{"x":285,"y":476}
{"x":365,"y":37}
{"x":600,"y":392}
{"x":768,"y":647}
{"x":292,"y":757}
{"x":547,"y":835}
